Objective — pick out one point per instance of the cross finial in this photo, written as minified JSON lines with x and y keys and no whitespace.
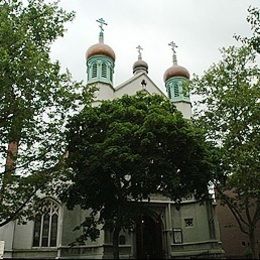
{"x":173,"y":47}
{"x":101,"y":22}
{"x":139,"y":49}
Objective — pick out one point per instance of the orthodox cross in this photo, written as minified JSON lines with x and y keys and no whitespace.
{"x":173,"y":47}
{"x":139,"y":49}
{"x":101,"y":22}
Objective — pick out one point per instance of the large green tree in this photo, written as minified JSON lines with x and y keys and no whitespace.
{"x":229,"y":111}
{"x":125,"y":150}
{"x":36,"y":99}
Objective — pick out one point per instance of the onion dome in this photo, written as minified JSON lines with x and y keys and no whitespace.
{"x":100,"y":49}
{"x":100,"y":60}
{"x":176,"y":80}
{"x":140,"y":65}
{"x":176,"y":71}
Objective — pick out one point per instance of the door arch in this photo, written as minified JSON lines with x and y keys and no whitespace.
{"x":149,"y":238}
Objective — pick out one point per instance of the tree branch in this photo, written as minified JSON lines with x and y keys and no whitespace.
{"x":256,"y":217}
{"x":248,"y":213}
{"x":13,"y":216}
{"x":234,"y":211}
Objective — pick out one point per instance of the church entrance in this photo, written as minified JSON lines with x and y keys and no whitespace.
{"x":149,"y":238}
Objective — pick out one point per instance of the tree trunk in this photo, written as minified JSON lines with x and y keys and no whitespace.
{"x":9,"y":166}
{"x":252,"y":242}
{"x":116,"y":241}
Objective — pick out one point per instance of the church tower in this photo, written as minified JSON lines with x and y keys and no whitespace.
{"x":100,"y":61}
{"x":176,"y":80}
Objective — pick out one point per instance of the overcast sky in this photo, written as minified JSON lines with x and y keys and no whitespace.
{"x":199,"y":28}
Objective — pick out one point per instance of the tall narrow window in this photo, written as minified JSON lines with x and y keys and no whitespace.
{"x":54,"y":229}
{"x":169,"y":93}
{"x":45,"y":229}
{"x":111,"y":74}
{"x":37,"y":230}
{"x":46,"y":226}
{"x":104,"y":70}
{"x":176,"y":90}
{"x":94,"y":70}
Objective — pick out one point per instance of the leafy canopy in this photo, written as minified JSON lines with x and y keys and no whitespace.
{"x":36,"y":100}
{"x":229,"y":111}
{"x":125,"y":150}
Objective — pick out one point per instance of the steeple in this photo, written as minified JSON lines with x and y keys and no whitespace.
{"x":176,"y":82}
{"x":140,"y":65}
{"x":100,"y":60}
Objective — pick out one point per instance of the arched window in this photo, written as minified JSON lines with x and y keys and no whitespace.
{"x":104,"y":70}
{"x":46,"y":225}
{"x":176,"y":90}
{"x":94,"y":70}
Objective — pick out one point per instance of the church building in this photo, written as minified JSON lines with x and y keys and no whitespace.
{"x":190,"y":232}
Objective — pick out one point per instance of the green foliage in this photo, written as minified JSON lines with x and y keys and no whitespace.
{"x":254,"y":20}
{"x":125,"y":150}
{"x":36,"y":100}
{"x":229,"y":111}
{"x":230,"y":93}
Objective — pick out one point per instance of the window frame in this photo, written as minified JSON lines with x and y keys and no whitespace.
{"x":176,"y":89}
{"x":52,"y":209}
{"x":189,"y":222}
{"x":178,"y":231}
{"x":94,"y":70}
{"x":103,"y":70}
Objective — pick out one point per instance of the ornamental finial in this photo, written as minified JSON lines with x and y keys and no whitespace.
{"x":173,"y":47}
{"x":101,"y":22}
{"x":139,"y":49}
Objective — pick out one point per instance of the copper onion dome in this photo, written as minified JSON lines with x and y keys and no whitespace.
{"x":176,"y":71}
{"x":100,"y":49}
